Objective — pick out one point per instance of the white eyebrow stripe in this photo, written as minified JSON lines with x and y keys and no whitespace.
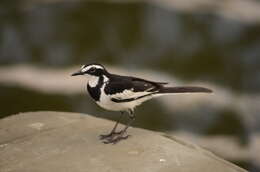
{"x":84,"y":69}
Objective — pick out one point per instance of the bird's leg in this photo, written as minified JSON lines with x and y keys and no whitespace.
{"x":113,"y":131}
{"x":121,"y":134}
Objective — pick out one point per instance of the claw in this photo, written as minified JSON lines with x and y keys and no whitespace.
{"x":116,"y":140}
{"x":109,"y":136}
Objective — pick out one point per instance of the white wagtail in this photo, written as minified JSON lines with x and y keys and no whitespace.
{"x":123,"y":93}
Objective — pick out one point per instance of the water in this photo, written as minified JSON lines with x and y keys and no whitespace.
{"x":194,"y":46}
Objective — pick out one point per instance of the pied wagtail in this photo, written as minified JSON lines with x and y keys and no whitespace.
{"x":123,"y":93}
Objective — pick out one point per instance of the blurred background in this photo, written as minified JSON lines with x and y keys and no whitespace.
{"x":208,"y":43}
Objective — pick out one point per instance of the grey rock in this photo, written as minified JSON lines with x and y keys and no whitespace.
{"x":68,"y":142}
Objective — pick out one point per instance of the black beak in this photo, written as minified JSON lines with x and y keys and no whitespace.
{"x":77,"y":73}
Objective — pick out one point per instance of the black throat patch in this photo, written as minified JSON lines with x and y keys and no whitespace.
{"x":95,"y":92}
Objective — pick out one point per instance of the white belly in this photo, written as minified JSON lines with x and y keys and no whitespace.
{"x":106,"y":103}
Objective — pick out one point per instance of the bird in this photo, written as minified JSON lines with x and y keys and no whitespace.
{"x":123,"y":93}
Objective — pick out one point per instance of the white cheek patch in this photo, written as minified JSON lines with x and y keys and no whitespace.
{"x":93,"y":81}
{"x":105,"y":78}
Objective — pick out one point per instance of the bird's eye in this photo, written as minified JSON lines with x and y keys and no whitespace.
{"x":92,"y":70}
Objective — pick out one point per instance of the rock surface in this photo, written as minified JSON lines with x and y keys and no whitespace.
{"x":58,"y":141}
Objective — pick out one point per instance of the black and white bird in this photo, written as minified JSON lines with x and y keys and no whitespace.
{"x":123,"y":93}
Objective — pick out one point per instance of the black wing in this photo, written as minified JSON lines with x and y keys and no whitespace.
{"x":124,"y":88}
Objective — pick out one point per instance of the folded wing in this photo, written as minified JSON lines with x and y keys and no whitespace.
{"x":131,"y":89}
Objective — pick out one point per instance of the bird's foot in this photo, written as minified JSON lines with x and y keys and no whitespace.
{"x":109,"y":136}
{"x":115,"y":140}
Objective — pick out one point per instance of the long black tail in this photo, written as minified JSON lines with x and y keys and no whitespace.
{"x":184,"y":89}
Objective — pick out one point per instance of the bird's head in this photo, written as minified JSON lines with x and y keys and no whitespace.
{"x":95,"y":70}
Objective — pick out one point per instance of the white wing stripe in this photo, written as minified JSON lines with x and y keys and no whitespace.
{"x":128,"y":94}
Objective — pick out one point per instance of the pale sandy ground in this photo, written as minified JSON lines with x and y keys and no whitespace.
{"x":57,"y":141}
